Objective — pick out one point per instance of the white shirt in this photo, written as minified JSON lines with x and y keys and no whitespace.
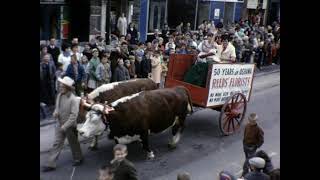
{"x":122,"y":25}
{"x":65,"y":61}
{"x":167,"y":46}
{"x":228,"y":53}
{"x":79,"y":55}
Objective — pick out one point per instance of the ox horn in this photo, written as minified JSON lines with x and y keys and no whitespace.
{"x":85,"y":103}
{"x":108,"y":109}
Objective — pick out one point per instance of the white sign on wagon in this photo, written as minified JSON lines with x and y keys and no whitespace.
{"x":229,"y":79}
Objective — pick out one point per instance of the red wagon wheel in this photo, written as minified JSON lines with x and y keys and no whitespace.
{"x":232,"y":113}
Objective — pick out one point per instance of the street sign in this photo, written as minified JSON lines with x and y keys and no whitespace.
{"x":252,"y":4}
{"x":216,"y":13}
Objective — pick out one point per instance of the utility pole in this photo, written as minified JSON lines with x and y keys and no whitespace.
{"x":108,"y":26}
{"x":196,"y":16}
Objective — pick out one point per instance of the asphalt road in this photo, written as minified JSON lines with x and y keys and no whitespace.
{"x":201,"y":151}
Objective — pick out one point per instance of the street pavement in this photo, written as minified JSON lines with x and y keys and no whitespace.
{"x":201,"y":151}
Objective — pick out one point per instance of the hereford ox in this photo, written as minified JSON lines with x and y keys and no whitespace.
{"x":134,"y":117}
{"x":108,"y":93}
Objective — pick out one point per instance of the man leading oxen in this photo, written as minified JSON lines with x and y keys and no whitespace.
{"x":134,"y":117}
{"x":111,"y":92}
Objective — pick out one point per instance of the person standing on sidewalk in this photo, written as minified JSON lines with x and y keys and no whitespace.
{"x":76,"y":72}
{"x":156,"y":68}
{"x":47,"y":81}
{"x":253,"y":136}
{"x":103,"y":71}
{"x":93,"y":64}
{"x":65,"y":57}
{"x":54,"y":50}
{"x":66,"y":112}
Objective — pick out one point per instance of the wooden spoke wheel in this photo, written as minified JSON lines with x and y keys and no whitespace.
{"x":232,"y":114}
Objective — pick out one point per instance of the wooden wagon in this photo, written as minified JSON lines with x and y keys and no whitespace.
{"x":228,"y":89}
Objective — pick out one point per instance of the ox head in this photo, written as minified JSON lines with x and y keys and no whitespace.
{"x":94,"y":123}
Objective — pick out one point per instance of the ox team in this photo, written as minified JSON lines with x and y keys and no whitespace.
{"x":136,"y":109}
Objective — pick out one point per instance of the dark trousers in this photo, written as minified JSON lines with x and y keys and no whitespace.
{"x":249,"y":150}
{"x":245,"y":168}
{"x":78,"y":88}
{"x":246,"y":56}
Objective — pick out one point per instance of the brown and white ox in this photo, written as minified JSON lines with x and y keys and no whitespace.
{"x":111,"y":92}
{"x":134,"y":117}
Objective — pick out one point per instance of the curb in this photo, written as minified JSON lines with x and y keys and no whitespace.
{"x":265,"y":73}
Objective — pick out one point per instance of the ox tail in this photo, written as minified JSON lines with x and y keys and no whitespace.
{"x":190,"y":107}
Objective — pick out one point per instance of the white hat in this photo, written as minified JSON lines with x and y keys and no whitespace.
{"x":66,"y":81}
{"x":257,"y":162}
{"x":253,"y":117}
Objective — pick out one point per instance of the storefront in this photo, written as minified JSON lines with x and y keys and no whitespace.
{"x":53,"y":19}
{"x":64,"y":19}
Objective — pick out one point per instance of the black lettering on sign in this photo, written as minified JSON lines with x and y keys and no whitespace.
{"x":212,"y":95}
{"x":225,"y":93}
{"x":245,"y":71}
{"x":218,"y":94}
{"x":216,"y":72}
{"x":228,"y":71}
{"x":216,"y":99}
{"x":224,"y":98}
{"x":211,"y":99}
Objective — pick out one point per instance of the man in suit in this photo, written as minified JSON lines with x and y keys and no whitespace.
{"x":53,"y":50}
{"x":122,"y":168}
{"x":66,"y":113}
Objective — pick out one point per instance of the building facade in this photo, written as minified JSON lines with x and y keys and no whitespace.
{"x":65,"y":19}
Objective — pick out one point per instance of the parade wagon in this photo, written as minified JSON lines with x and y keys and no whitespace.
{"x":227,"y":89}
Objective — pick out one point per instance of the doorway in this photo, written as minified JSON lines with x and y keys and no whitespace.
{"x":229,"y":9}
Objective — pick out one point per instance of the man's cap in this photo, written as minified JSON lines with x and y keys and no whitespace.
{"x":257,"y":162}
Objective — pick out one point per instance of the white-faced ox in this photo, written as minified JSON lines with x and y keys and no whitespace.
{"x":134,"y":117}
{"x":113,"y":91}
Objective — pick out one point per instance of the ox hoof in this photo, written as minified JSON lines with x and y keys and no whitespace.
{"x":150,"y":155}
{"x":172,"y":146}
{"x":93,"y":148}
